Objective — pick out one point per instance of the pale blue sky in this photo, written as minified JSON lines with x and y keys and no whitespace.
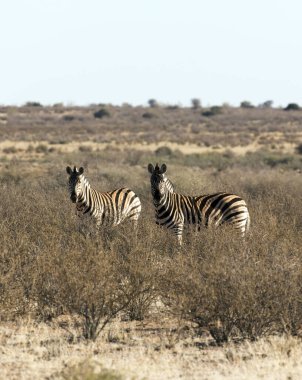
{"x":115,"y":51}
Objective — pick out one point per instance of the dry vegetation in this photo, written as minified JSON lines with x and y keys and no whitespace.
{"x":77,"y":303}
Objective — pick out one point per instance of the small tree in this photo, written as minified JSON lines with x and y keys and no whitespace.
{"x":196,"y":104}
{"x":152,"y":103}
{"x":267,"y":104}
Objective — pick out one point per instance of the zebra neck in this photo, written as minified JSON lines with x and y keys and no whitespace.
{"x":85,"y":198}
{"x":163,"y":201}
{"x":169,"y":185}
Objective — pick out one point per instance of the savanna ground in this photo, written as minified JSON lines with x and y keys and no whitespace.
{"x":77,"y":303}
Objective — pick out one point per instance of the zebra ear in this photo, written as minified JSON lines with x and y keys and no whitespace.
{"x":163,"y":168}
{"x":150,"y":168}
{"x":81,"y":170}
{"x":68,"y":170}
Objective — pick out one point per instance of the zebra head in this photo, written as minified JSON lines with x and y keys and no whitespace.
{"x":75,"y":182}
{"x":159,"y":180}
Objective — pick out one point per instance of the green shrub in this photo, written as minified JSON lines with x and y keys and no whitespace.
{"x":101,"y":113}
{"x":148,"y":115}
{"x":292,"y":107}
{"x":33,"y":104}
{"x":246,"y":104}
{"x":215,"y":110}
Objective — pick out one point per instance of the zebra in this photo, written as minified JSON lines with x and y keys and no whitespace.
{"x":174,"y":210}
{"x":109,"y":208}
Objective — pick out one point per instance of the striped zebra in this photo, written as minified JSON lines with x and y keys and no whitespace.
{"x":174,"y":210}
{"x":109,"y":208}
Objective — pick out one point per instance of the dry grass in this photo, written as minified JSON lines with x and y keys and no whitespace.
{"x":232,"y":127}
{"x":30,"y":351}
{"x":77,"y":303}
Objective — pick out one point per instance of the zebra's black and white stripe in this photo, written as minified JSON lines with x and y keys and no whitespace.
{"x":174,"y":210}
{"x":108,"y":208}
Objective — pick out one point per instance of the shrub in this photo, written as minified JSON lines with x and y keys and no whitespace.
{"x":101,"y":113}
{"x":148,"y":115}
{"x":163,"y":151}
{"x":33,"y":104}
{"x":142,"y":279}
{"x":267,"y":104}
{"x":214,"y":110}
{"x":276,"y":160}
{"x":246,"y":104}
{"x":237,"y":288}
{"x":68,"y":117}
{"x":85,"y":148}
{"x":41,"y":148}
{"x":196,"y":103}
{"x":299,"y":148}
{"x":10,"y":150}
{"x":292,"y":107}
{"x":173,"y":107}
{"x":152,"y":103}
{"x":217,"y":281}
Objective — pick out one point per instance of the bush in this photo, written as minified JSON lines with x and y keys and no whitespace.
{"x":246,"y":104}
{"x":163,"y":151}
{"x":242,"y":289}
{"x":152,"y":103}
{"x":68,"y":117}
{"x":267,"y":104}
{"x":173,"y":107}
{"x":292,"y":107}
{"x":196,"y":103}
{"x":215,"y":110}
{"x":217,"y":281}
{"x":299,"y":148}
{"x":148,"y":115}
{"x":101,"y":113}
{"x":33,"y":104}
{"x":42,"y":148}
{"x":10,"y":150}
{"x":85,"y":148}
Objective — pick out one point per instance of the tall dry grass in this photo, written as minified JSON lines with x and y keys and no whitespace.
{"x":52,"y":263}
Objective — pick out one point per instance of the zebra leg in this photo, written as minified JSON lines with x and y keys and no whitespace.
{"x":178,"y":230}
{"x":134,"y":218}
{"x":135,"y":224}
{"x":247,"y":224}
{"x":244,"y":226}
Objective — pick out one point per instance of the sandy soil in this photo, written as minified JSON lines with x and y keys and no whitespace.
{"x":42,"y":351}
